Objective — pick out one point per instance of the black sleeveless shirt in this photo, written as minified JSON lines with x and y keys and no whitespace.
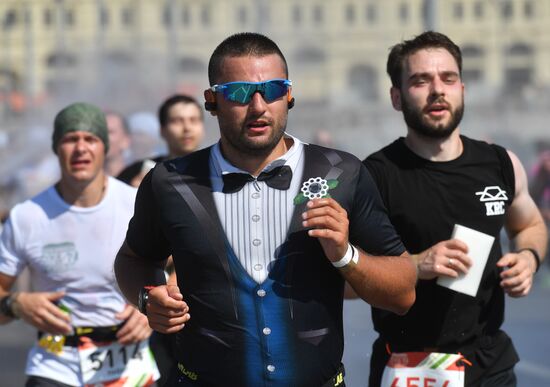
{"x":425,"y":200}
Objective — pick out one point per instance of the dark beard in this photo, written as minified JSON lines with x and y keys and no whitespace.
{"x":416,"y":122}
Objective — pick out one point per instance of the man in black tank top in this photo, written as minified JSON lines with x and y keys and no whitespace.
{"x":431,"y":180}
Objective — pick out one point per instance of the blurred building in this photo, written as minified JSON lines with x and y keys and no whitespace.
{"x":337,"y":49}
{"x":128,"y":55}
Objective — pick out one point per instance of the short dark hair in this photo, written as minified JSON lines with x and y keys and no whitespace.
{"x":173,"y":100}
{"x":429,"y":39}
{"x":241,"y":44}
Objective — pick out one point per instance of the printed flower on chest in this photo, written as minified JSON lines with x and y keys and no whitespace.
{"x":315,"y":188}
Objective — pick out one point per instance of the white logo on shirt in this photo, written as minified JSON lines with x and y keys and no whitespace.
{"x":58,"y":257}
{"x":493,"y":197}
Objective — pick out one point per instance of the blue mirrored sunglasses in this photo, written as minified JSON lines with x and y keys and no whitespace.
{"x":242,"y":92}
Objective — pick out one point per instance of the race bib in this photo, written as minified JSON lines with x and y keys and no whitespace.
{"x":113,"y":364}
{"x":424,"y":369}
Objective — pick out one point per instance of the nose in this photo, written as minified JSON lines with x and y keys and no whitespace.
{"x":80,"y":145}
{"x":257,"y":103}
{"x":438,"y":88}
{"x":185,"y":125}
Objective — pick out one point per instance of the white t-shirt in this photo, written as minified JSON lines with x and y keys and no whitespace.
{"x":72,"y":249}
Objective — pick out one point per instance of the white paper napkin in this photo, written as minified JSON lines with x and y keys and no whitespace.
{"x":479,"y":247}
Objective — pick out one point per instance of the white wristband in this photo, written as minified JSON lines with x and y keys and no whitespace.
{"x":347,"y":258}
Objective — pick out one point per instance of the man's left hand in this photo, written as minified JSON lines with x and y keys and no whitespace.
{"x":329,"y":222}
{"x":517,"y":273}
{"x":135,"y":329}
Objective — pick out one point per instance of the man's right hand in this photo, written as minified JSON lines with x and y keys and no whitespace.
{"x":166,"y":310}
{"x":447,"y":258}
{"x":39,"y":310}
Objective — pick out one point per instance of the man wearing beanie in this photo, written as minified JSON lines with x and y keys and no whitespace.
{"x":68,"y":237}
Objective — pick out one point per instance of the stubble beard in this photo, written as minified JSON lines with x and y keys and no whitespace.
{"x":247,"y":146}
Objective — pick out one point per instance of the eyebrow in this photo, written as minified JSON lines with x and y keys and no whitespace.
{"x":429,"y":75}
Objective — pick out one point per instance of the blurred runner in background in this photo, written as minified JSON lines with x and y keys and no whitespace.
{"x":119,"y":143}
{"x":68,"y":237}
{"x":182,"y":128}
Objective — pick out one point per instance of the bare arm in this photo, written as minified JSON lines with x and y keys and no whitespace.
{"x":166,"y":310}
{"x":36,"y":308}
{"x":386,"y":282}
{"x":382,"y":281}
{"x":133,"y":273}
{"x":524,"y":222}
{"x":526,"y":227}
{"x":6,"y":282}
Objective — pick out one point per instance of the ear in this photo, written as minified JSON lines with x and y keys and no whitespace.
{"x":210,"y":102}
{"x":395,"y":95}
{"x":290,"y":99}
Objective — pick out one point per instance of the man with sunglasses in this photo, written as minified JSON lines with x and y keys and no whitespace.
{"x":264,"y":231}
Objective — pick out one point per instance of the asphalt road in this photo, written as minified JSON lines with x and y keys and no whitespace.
{"x":527,"y":322}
